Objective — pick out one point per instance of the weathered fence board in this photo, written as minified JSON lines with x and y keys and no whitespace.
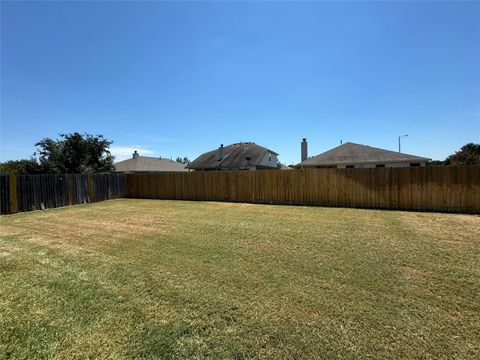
{"x":38,"y":192}
{"x":452,"y":188}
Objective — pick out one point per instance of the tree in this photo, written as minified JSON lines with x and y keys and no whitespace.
{"x":184,"y":160}
{"x":438,"y":163}
{"x":17,"y":167}
{"x":468,"y":154}
{"x":75,"y":154}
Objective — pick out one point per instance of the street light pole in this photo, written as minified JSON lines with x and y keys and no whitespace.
{"x":399,"y":148}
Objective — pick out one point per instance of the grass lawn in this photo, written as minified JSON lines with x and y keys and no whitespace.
{"x":172,"y":279}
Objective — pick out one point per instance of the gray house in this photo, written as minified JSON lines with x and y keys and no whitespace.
{"x":350,"y":155}
{"x":239,"y":156}
{"x":139,"y":163}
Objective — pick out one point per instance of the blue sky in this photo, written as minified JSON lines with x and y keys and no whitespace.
{"x":178,"y":79}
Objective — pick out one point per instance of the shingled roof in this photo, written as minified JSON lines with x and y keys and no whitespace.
{"x":350,"y":153}
{"x":148,"y":164}
{"x":239,"y":155}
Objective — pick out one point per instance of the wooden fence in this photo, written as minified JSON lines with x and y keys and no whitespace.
{"x":454,"y":189}
{"x":34,"y":192}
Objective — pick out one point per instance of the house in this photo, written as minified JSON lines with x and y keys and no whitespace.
{"x":139,"y":163}
{"x":350,"y":155}
{"x":239,"y":156}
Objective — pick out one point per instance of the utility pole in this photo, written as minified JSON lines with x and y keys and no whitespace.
{"x":399,"y":147}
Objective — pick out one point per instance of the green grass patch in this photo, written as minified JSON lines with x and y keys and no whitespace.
{"x":177,"y":279}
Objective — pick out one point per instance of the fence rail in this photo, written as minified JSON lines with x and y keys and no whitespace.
{"x":454,"y":189}
{"x":34,"y":192}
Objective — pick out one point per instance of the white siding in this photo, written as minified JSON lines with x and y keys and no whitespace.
{"x":267,"y":162}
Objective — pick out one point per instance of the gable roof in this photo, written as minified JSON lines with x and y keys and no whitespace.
{"x":238,"y":155}
{"x":350,"y":153}
{"x":147,"y":163}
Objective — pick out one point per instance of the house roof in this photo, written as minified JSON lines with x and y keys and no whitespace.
{"x":147,"y":163}
{"x":239,"y":155}
{"x":350,"y":153}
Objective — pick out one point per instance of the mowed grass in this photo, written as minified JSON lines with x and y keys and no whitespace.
{"x":173,"y":279}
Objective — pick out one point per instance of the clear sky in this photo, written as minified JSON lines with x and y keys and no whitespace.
{"x":178,"y":79}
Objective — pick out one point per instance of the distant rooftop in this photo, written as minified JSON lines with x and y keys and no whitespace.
{"x":237,"y":155}
{"x":351,"y":153}
{"x":148,"y":164}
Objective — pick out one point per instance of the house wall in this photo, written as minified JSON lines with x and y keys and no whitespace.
{"x":267,"y":162}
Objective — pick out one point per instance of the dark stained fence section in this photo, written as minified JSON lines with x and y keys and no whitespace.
{"x":79,"y":192}
{"x":452,"y":188}
{"x":108,"y":187}
{"x":38,"y":192}
{"x":4,"y":194}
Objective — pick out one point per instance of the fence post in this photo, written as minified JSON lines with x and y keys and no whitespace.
{"x":90,"y":187}
{"x":13,"y":201}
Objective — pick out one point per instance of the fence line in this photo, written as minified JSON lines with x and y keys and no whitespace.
{"x":35,"y":192}
{"x":453,"y":188}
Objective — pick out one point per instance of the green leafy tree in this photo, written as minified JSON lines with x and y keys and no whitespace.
{"x":438,"y":163}
{"x":468,"y":154}
{"x":184,"y":160}
{"x":17,"y":167}
{"x":75,"y":153}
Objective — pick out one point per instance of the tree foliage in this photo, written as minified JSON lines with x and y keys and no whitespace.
{"x":185,"y":160}
{"x":18,"y":167}
{"x":75,"y":153}
{"x":468,"y":154}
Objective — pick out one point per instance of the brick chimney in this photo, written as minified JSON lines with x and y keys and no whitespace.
{"x":304,"y":149}
{"x":221,"y":153}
